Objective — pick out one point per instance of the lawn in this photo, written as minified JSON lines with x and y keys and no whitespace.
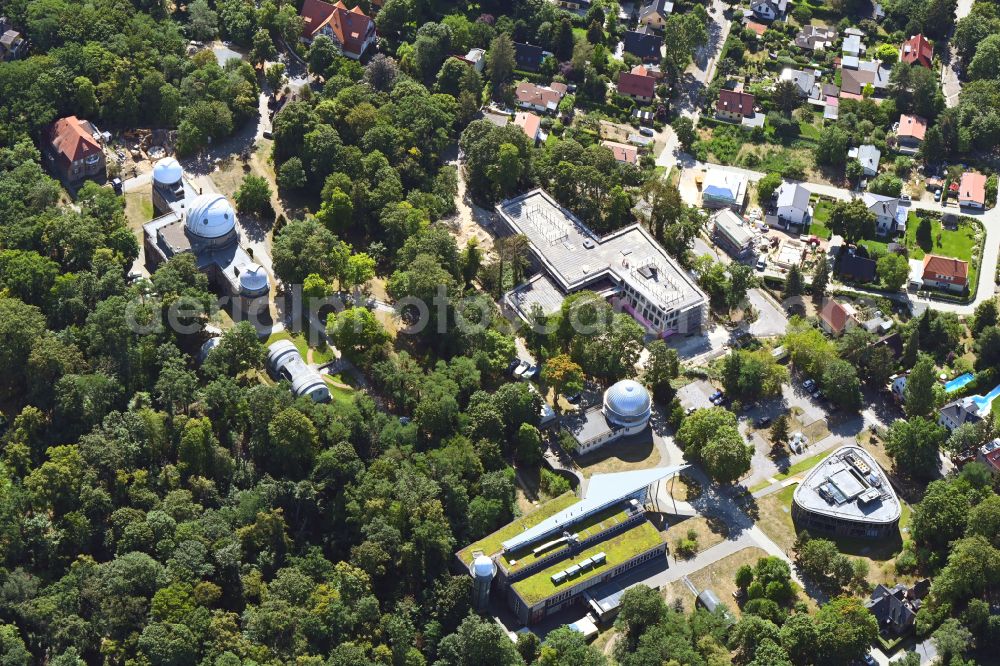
{"x":708,"y":532}
{"x":775,"y":517}
{"x":621,"y":548}
{"x":720,"y":577}
{"x":797,"y":468}
{"x":320,"y":354}
{"x":821,"y":215}
{"x":958,"y":243}
{"x":490,"y":544}
{"x":633,"y":453}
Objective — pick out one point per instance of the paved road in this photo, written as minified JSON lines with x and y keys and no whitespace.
{"x":951,"y":63}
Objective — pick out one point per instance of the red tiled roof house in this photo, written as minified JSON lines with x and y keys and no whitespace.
{"x":73,"y":149}
{"x":351,"y":29}
{"x":529,"y":123}
{"x":540,"y":98}
{"x":945,"y":273}
{"x":972,"y":190}
{"x":734,"y":106}
{"x":910,"y":133}
{"x":637,"y":86}
{"x":835,"y":318}
{"x":917,"y":50}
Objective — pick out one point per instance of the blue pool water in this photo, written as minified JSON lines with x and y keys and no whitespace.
{"x":984,"y":401}
{"x":958,"y":382}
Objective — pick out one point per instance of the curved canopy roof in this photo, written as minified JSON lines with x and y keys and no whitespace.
{"x":211,"y":216}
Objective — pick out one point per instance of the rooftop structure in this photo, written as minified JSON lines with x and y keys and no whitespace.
{"x":835,"y":318}
{"x":529,"y":123}
{"x":623,"y":152}
{"x":869,"y":157}
{"x":868,"y":72}
{"x":910,"y":132}
{"x":896,"y":608}
{"x":654,"y":13}
{"x":890,"y":217}
{"x":972,"y":190}
{"x":945,"y":273}
{"x":847,"y":494}
{"x":546,"y":560}
{"x":643,"y":45}
{"x":637,"y":85}
{"x":539,"y":98}
{"x":731,"y":233}
{"x":793,"y":203}
{"x":989,"y":455}
{"x":74,"y":151}
{"x":815,"y":38}
{"x":734,"y":105}
{"x":804,"y":81}
{"x":528,"y":56}
{"x":285,"y":361}
{"x":628,"y":263}
{"x":853,"y":46}
{"x":970,"y":409}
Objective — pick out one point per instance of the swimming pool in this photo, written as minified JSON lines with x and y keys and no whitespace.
{"x":984,"y":401}
{"x":958,"y":382}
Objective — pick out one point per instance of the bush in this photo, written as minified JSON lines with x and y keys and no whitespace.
{"x":552,"y":484}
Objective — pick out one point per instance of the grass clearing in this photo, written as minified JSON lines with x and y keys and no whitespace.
{"x":821,"y":216}
{"x":138,"y":208}
{"x":630,"y":454}
{"x":707,"y":532}
{"x":775,"y":517}
{"x":718,"y":577}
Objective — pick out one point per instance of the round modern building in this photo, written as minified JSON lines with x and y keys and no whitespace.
{"x":167,"y":172}
{"x":628,"y":405}
{"x":253,"y":282}
{"x":211,"y":218}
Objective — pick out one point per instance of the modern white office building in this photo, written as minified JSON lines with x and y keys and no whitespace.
{"x":627,"y":266}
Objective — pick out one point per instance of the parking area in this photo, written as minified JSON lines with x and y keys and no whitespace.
{"x":696,"y":394}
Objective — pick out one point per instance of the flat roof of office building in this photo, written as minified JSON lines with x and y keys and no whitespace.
{"x":573,"y":256}
{"x":849,"y":485}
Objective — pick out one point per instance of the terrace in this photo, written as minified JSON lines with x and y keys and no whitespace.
{"x":618,"y":550}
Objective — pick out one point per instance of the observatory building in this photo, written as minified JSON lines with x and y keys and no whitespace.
{"x":203,"y":224}
{"x":570,"y":551}
{"x":849,"y":495}
{"x":627,"y":266}
{"x":285,"y":362}
{"x":625,"y":411}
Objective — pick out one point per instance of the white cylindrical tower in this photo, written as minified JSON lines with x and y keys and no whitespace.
{"x":483,"y":569}
{"x":167,"y":172}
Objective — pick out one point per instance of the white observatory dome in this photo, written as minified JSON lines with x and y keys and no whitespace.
{"x":627,"y":404}
{"x":211,"y":216}
{"x":167,"y":171}
{"x":253,"y":280}
{"x":482,"y":567}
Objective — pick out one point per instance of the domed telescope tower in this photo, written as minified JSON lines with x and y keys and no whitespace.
{"x":483,"y":570}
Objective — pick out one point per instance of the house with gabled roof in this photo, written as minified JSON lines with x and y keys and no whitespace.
{"x":528,"y":57}
{"x":910,"y":132}
{"x":972,"y":190}
{"x":917,"y":51}
{"x":869,"y":157}
{"x":654,"y":13}
{"x":945,"y":273}
{"x":73,"y":148}
{"x":890,"y":217}
{"x":637,"y":85}
{"x":835,"y":318}
{"x":643,"y":44}
{"x":351,"y":29}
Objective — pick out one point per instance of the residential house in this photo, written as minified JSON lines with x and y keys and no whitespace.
{"x":895,"y":609}
{"x":530,"y":124}
{"x":623,"y":152}
{"x":734,"y":105}
{"x":989,"y":455}
{"x":868,"y":72}
{"x":637,"y":85}
{"x":793,"y":204}
{"x":831,"y":108}
{"x":528,"y":57}
{"x":972,"y":190}
{"x":13,"y":45}
{"x":768,"y":10}
{"x":815,"y":38}
{"x":869,"y":156}
{"x":910,"y":133}
{"x":732,"y":234}
{"x":643,"y":44}
{"x":724,"y":189}
{"x":654,"y":13}
{"x":805,"y":82}
{"x":917,"y":51}
{"x":758,"y":29}
{"x":945,"y":273}
{"x":351,"y":29}
{"x":74,"y":150}
{"x":539,"y":98}
{"x":853,"y":267}
{"x":476,"y":58}
{"x":853,"y":46}
{"x":835,"y":318}
{"x":890,"y":217}
{"x":961,"y":411}
{"x":573,"y":5}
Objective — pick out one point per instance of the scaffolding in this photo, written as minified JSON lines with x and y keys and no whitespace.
{"x":655,"y":277}
{"x":549,"y":223}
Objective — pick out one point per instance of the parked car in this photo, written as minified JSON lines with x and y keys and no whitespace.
{"x":690,"y":410}
{"x":869,"y":660}
{"x":937,"y":194}
{"x":522,"y":368}
{"x":761,"y":264}
{"x":719,"y":399}
{"x":573,"y":399}
{"x":530,"y":373}
{"x":763,"y":421}
{"x":808,"y":385}
{"x":904,"y":198}
{"x":512,"y":366}
{"x":646,"y":131}
{"x":715,"y":396}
